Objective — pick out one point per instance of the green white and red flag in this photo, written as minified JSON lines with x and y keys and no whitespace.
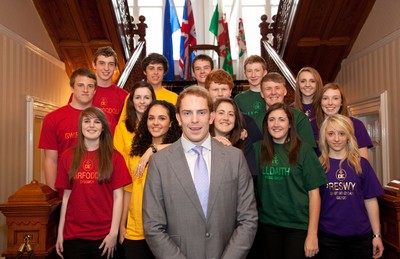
{"x":219,"y":27}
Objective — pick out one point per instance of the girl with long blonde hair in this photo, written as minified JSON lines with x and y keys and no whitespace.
{"x":349,"y":221}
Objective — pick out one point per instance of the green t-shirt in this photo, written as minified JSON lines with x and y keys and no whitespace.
{"x":250,"y":102}
{"x":283,"y":189}
{"x":303,"y":126}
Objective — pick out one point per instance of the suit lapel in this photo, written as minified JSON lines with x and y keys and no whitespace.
{"x":178,"y":163}
{"x":217,"y":169}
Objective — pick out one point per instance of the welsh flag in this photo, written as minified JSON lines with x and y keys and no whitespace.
{"x":219,"y":27}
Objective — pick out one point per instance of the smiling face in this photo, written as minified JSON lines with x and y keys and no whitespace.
{"x":201,"y":69}
{"x":219,"y":91}
{"x":105,"y":68}
{"x":336,"y":140}
{"x":141,"y":100}
{"x":224,"y":120}
{"x":91,"y":128}
{"x":154,"y":75}
{"x":254,"y":72}
{"x":308,"y":84}
{"x":273,"y":92}
{"x":331,"y":101}
{"x":278,"y":126}
{"x":158,"y":122}
{"x":195,"y":118}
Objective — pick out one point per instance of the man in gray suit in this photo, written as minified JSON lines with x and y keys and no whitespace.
{"x":183,"y":217}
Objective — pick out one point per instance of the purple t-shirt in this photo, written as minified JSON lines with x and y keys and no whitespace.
{"x":361,"y":133}
{"x":343,"y":212}
{"x":308,"y":110}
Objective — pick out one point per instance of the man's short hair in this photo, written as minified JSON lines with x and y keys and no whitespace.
{"x":196,"y":91}
{"x":107,"y":52}
{"x":274,"y":77}
{"x":203,"y":57}
{"x":155,"y":58}
{"x":255,"y":59}
{"x":219,"y":76}
{"x":82,"y":72}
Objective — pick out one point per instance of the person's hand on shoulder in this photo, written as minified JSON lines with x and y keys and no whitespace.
{"x":223,"y":140}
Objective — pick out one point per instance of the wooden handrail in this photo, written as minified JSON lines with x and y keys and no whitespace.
{"x":131,"y":63}
{"x":133,"y":70}
{"x":280,"y":63}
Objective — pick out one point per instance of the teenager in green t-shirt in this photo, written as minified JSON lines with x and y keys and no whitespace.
{"x":250,"y":101}
{"x":288,"y":188}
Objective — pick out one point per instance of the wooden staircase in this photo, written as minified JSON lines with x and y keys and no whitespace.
{"x":306,"y":33}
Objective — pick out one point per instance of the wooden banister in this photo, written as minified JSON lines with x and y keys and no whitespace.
{"x":280,"y":64}
{"x":133,"y":68}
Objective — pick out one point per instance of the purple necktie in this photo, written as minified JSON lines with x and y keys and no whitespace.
{"x":201,"y":180}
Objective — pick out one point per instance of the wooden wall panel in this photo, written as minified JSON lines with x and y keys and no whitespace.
{"x":371,"y":72}
{"x":24,"y":70}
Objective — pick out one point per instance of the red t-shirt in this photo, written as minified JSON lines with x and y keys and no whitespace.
{"x":110,"y":99}
{"x":60,"y":129}
{"x":90,"y":205}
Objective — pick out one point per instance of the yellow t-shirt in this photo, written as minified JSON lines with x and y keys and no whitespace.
{"x":162,"y":94}
{"x":166,"y":95}
{"x":123,"y":140}
{"x":134,"y":226}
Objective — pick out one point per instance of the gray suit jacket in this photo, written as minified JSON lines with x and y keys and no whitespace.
{"x":173,"y":219}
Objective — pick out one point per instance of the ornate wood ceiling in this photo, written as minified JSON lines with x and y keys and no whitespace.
{"x":78,"y":28}
{"x":323,"y":33}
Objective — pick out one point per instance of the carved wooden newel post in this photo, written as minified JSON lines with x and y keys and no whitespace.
{"x":32,"y":215}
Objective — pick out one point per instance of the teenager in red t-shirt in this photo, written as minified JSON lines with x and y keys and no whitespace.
{"x":109,"y":97}
{"x":92,"y":176}
{"x":59,"y":129}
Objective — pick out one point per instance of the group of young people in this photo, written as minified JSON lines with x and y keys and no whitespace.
{"x":201,"y":175}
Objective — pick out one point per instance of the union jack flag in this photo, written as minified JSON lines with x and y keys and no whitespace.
{"x":188,"y":36}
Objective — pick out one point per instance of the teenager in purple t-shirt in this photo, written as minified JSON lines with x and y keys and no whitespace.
{"x":349,"y":220}
{"x":307,"y":98}
{"x":333,"y":101}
